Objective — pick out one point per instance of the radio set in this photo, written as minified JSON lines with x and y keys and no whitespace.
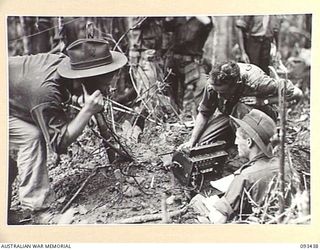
{"x":189,"y":166}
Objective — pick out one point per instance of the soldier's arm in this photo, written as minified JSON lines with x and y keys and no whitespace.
{"x":265,"y":87}
{"x":93,"y":104}
{"x":204,"y":19}
{"x":200,"y":124}
{"x":241,"y":26}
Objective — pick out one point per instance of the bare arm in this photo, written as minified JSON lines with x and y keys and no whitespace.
{"x":204,"y":19}
{"x":244,"y":56}
{"x":200,"y":123}
{"x":93,"y":104}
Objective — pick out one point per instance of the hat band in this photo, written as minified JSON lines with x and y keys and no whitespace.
{"x":260,"y":131}
{"x":92,"y":63}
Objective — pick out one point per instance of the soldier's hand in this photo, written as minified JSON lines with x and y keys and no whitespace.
{"x":245,"y":58}
{"x":80,"y":101}
{"x":251,"y":100}
{"x":92,"y":103}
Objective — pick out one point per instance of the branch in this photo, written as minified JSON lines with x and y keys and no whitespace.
{"x":94,"y":172}
{"x":151,"y":217}
{"x":124,"y":34}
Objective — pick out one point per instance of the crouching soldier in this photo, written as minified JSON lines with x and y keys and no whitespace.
{"x":38,"y":87}
{"x":234,"y":89}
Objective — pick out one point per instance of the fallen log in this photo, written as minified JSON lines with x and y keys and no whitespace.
{"x":151,"y":217}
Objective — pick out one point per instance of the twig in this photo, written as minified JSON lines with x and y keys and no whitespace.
{"x":135,"y":180}
{"x":151,"y":217}
{"x":149,"y":96}
{"x":80,"y":189}
{"x":167,"y":153}
{"x":109,"y":37}
{"x":165,"y":218}
{"x":123,"y":154}
{"x":131,"y":28}
{"x":42,"y":31}
{"x":241,"y":206}
{"x":128,"y":110}
{"x":278,"y":218}
{"x":112,"y":116}
{"x":250,"y":198}
{"x":174,"y":111}
{"x":136,"y":89}
{"x":268,"y":198}
{"x":248,"y":193}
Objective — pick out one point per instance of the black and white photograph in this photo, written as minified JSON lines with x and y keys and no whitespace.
{"x":171,"y":119}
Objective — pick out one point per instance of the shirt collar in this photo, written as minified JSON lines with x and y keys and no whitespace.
{"x":249,"y":163}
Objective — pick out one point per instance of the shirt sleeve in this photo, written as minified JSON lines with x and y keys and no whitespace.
{"x":263,"y":85}
{"x":208,"y":102}
{"x":242,"y":22}
{"x":51,"y":118}
{"x":52,"y":121}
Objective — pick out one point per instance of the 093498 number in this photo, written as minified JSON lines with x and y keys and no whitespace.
{"x":306,"y":246}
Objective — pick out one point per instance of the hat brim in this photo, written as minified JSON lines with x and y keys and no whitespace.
{"x":266,"y":149}
{"x":65,"y":70}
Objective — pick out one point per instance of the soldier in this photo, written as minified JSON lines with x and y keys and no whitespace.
{"x":38,"y":87}
{"x":145,"y":55}
{"x":255,"y":35}
{"x":234,"y":89}
{"x":253,"y":135}
{"x":189,"y":36}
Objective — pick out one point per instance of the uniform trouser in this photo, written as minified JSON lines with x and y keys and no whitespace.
{"x":258,"y":50}
{"x":179,"y":84}
{"x":217,"y":128}
{"x":29,"y":142}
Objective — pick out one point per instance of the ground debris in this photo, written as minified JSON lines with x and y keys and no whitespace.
{"x":131,"y":193}
{"x":151,"y":217}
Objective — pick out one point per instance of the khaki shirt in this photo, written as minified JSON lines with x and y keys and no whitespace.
{"x":259,"y":25}
{"x":253,"y":177}
{"x":257,"y":84}
{"x":36,"y":96}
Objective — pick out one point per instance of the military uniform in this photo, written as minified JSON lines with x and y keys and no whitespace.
{"x":189,"y":37}
{"x":145,"y":55}
{"x":37,"y":120}
{"x":254,"y":82}
{"x":259,"y":32}
{"x":254,"y":177}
